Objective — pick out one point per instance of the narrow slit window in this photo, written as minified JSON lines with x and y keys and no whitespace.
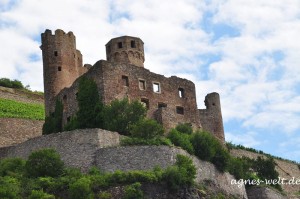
{"x":142,"y":84}
{"x":180,"y":110}
{"x":55,"y":53}
{"x":59,"y":68}
{"x":132,"y":44}
{"x":120,"y":45}
{"x":161,"y":105}
{"x":181,"y":92}
{"x":145,"y":102}
{"x":156,"y":87}
{"x":125,"y":80}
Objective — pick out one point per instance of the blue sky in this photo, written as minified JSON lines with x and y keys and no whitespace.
{"x":246,"y":50}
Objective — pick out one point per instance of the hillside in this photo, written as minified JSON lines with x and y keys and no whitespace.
{"x":21,"y":115}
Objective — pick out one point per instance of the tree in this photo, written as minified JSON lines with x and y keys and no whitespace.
{"x":53,"y":122}
{"x":147,"y":129}
{"x":89,"y":106}
{"x":120,"y":115}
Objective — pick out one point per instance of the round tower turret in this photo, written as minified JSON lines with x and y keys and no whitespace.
{"x":126,"y":49}
{"x":61,"y":63}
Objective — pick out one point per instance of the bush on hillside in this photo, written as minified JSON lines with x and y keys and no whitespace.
{"x":81,"y":189}
{"x":185,"y":128}
{"x":146,"y":129}
{"x":45,"y":162}
{"x":134,"y":191}
{"x":182,"y":140}
{"x":12,"y":166}
{"x":120,"y":115}
{"x":5,"y":82}
{"x":208,"y":148}
{"x":40,"y":194}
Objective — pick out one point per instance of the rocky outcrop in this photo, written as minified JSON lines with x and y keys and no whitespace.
{"x":257,"y":192}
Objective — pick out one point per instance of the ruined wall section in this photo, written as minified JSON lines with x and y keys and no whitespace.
{"x":118,"y":81}
{"x":155,"y":91}
{"x":127,"y":50}
{"x":211,"y":117}
{"x":62,"y":64}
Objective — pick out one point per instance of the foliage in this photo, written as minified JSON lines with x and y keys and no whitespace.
{"x":182,"y":140}
{"x":14,"y":109}
{"x":105,"y":195}
{"x":147,"y":129}
{"x":240,"y":167}
{"x":182,"y":174}
{"x":208,"y":148}
{"x":120,"y":115}
{"x":53,"y":122}
{"x":9,"y":188}
{"x":81,"y":189}
{"x":131,"y":141}
{"x":89,"y":113}
{"x":134,"y":191}
{"x":12,"y":166}
{"x":40,"y":194}
{"x":185,"y":128}
{"x":5,"y":82}
{"x":45,"y":162}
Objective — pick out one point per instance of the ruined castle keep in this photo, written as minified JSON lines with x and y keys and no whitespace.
{"x":169,"y":100}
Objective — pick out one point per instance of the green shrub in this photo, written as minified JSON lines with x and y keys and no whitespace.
{"x":11,"y":166}
{"x":133,"y":191}
{"x":147,"y":129}
{"x":185,"y":128}
{"x":40,"y":194}
{"x":182,"y":140}
{"x":120,"y":115}
{"x":81,"y":189}
{"x":45,"y":162}
{"x":105,"y":195}
{"x":53,"y":122}
{"x":204,"y":145}
{"x":9,"y":188}
{"x":5,"y":82}
{"x":180,"y":175}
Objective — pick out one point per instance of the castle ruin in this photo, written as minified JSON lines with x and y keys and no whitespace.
{"x":169,"y":100}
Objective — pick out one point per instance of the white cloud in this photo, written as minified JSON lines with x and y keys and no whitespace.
{"x":247,"y":139}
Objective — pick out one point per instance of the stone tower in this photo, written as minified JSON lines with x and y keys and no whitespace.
{"x":62,"y":64}
{"x":126,"y":49}
{"x":211,"y":117}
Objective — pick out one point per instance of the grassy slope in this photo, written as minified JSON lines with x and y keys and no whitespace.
{"x":14,"y":109}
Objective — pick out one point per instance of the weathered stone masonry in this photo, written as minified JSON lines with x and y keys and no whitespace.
{"x":169,"y":100}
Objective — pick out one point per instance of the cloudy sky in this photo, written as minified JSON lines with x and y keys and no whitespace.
{"x":248,"y":51}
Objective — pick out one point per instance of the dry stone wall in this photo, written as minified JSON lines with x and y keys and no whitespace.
{"x":14,"y":130}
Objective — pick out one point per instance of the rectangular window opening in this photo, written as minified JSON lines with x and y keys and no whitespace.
{"x":120,"y":45}
{"x":161,"y":105}
{"x":156,"y":87}
{"x":180,"y":110}
{"x":132,"y":44}
{"x":142,"y":84}
{"x":125,"y":80}
{"x":181,"y":92}
{"x":59,"y":68}
{"x":145,"y":102}
{"x":55,"y":53}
